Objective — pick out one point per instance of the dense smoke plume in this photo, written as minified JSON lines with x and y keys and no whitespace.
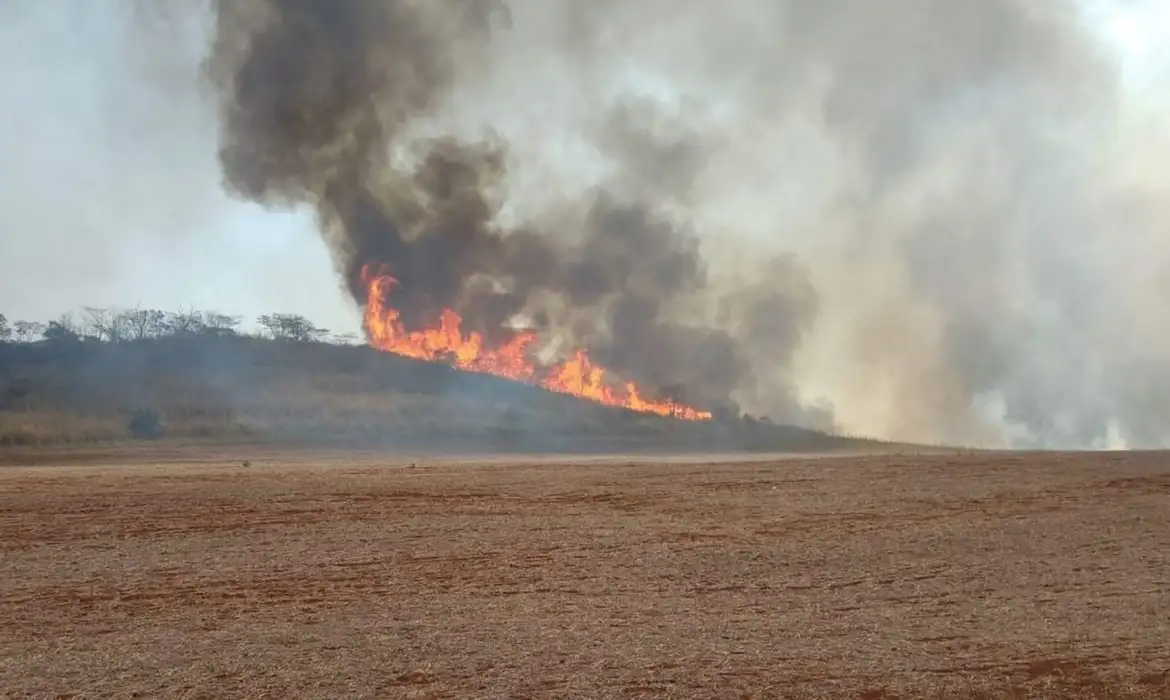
{"x":322,"y":100}
{"x":926,"y":211}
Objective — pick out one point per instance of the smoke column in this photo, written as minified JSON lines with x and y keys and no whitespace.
{"x":935,"y":215}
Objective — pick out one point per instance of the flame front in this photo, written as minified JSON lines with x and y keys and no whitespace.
{"x":445,"y":342}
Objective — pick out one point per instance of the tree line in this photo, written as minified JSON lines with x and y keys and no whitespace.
{"x":127,"y":325}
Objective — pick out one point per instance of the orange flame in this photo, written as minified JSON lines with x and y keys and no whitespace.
{"x":445,"y":342}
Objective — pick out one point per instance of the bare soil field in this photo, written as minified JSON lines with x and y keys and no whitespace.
{"x":189,"y":574}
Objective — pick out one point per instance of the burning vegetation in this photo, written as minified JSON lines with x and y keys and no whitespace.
{"x":333,"y":105}
{"x":113,"y":374}
{"x":444,"y":341}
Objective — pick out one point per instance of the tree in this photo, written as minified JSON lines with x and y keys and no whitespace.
{"x":5,"y":329}
{"x":215,"y":323}
{"x":144,"y":424}
{"x":184,"y":323}
{"x":140,"y":324}
{"x":27,"y":331}
{"x":291,"y":327}
{"x":62,"y":331}
{"x":102,"y":324}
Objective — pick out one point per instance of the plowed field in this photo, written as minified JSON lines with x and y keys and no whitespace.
{"x":334,"y":576}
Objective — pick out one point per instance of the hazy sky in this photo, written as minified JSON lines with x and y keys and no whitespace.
{"x":110,"y":185}
{"x":125,"y":212}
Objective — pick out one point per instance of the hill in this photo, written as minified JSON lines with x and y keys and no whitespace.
{"x":232,"y":387}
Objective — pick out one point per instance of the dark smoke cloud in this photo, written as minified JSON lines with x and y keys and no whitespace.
{"x":905,"y":206}
{"x":320,"y":97}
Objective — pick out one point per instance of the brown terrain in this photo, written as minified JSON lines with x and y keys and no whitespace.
{"x":210,"y":574}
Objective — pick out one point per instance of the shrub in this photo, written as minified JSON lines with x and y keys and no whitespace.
{"x":144,"y":424}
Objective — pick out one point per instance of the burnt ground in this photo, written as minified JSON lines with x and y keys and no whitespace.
{"x":348,"y":575}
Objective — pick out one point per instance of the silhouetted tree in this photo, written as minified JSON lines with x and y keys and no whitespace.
{"x":184,"y":323}
{"x":102,"y":324}
{"x":291,"y":327}
{"x":144,"y":424}
{"x":27,"y":331}
{"x":116,"y":325}
{"x":140,"y":324}
{"x":215,"y":323}
{"x":61,"y":331}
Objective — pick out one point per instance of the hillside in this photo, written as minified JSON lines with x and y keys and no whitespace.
{"x":256,"y":389}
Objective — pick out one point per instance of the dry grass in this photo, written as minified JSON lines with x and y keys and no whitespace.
{"x":349,"y":575}
{"x":58,"y":427}
{"x":48,"y":428}
{"x":282,"y":393}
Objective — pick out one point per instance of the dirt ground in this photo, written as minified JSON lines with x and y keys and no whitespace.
{"x":337,"y":576}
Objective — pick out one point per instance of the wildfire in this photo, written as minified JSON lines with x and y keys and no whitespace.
{"x":445,"y":342}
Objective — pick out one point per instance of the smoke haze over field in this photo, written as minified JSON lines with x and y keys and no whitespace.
{"x":934,"y":221}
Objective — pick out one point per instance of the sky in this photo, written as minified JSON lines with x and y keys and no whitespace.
{"x":110,"y":185}
{"x":73,"y":196}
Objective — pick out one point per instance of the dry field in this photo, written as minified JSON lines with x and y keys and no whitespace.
{"x":349,"y":575}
